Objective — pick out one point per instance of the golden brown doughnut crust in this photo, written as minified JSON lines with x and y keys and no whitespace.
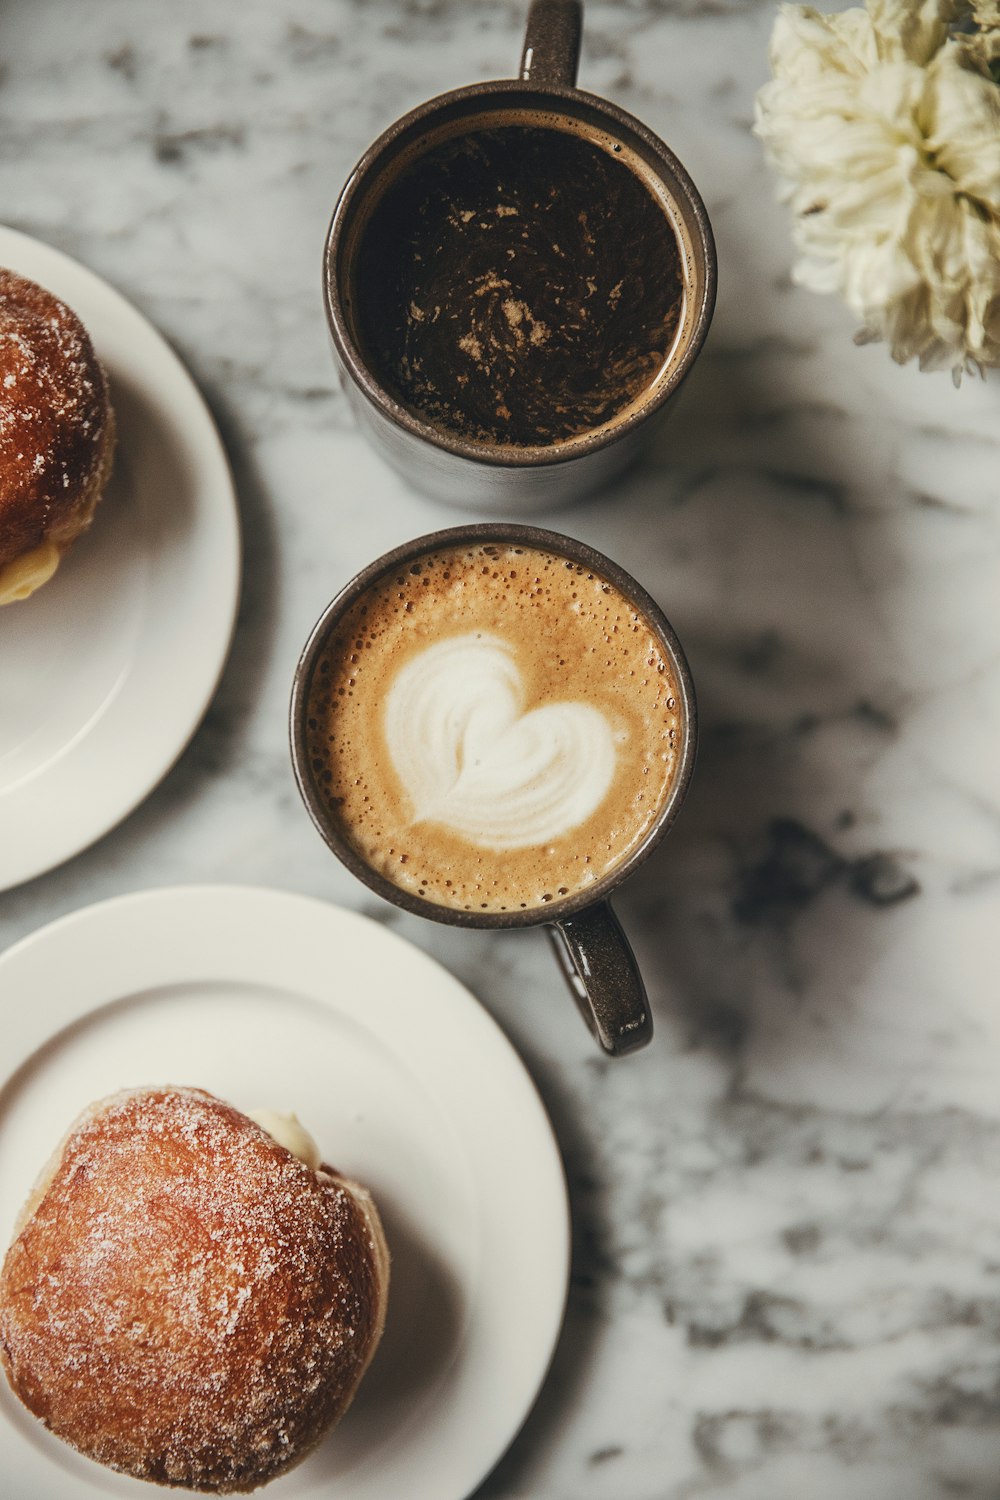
{"x":56,"y":426}
{"x":186,"y":1301}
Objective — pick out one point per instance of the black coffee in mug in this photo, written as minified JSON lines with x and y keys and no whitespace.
{"x":519,"y":281}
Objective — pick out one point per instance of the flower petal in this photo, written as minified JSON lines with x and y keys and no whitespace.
{"x":908,"y":30}
{"x":963,"y":127}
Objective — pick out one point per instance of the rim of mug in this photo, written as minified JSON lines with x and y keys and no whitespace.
{"x":456,"y":536}
{"x":549,"y":98}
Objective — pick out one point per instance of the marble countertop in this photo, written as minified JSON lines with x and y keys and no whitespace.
{"x":786,"y":1276}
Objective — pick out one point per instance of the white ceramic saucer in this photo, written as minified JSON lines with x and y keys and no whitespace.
{"x":106,"y":671}
{"x":267,"y":998}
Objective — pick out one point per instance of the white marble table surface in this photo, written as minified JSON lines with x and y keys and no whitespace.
{"x":786,"y":1280}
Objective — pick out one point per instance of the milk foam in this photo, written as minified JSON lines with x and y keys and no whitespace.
{"x":471,"y":758}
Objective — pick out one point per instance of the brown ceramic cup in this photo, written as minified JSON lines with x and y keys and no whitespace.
{"x":527,"y":474}
{"x":591,"y":947}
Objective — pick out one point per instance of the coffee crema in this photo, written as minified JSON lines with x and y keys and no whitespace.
{"x":493,"y":727}
{"x":517,"y":284}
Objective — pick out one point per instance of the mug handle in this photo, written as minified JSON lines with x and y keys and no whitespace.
{"x":603,"y":976}
{"x":551,"y":49}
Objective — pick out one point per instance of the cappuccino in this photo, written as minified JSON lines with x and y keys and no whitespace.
{"x":493,"y":727}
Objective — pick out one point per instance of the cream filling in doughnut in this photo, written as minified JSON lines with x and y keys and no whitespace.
{"x":286,"y":1130}
{"x":27,"y":573}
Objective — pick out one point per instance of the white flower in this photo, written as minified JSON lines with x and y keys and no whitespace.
{"x":885,"y":126}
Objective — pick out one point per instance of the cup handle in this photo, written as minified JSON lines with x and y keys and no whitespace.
{"x":604,"y":980}
{"x":552,"y":43}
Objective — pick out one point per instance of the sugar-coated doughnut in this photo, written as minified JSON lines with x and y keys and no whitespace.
{"x":184,"y":1300}
{"x":57,"y":433}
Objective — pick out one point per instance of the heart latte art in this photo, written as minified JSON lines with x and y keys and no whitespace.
{"x":471,"y":757}
{"x":493,"y":727}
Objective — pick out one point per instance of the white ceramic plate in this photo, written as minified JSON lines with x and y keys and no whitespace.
{"x":125,"y":645}
{"x":267,"y":998}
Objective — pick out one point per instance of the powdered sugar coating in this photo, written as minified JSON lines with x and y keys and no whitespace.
{"x":56,"y":428}
{"x":187,"y":1302}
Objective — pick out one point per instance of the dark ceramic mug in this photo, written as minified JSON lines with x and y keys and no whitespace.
{"x":526,"y":474}
{"x":591,"y":947}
